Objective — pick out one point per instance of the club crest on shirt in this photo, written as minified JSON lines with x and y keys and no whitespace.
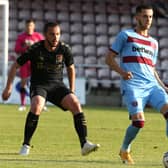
{"x":41,"y":59}
{"x":59,"y":58}
{"x":134,"y":103}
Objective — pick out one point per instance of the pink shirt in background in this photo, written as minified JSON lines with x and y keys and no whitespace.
{"x":23,"y":42}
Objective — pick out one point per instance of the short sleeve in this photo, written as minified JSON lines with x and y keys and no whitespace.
{"x":119,"y":42}
{"x":68,"y":56}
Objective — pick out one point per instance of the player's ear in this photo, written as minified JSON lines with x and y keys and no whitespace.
{"x":136,"y":17}
{"x":45,"y":34}
{"x":60,"y":30}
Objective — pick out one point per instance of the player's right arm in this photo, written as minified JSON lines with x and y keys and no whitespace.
{"x":12,"y":73}
{"x":112,"y":63}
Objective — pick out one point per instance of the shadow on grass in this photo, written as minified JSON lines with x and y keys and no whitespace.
{"x":9,"y":154}
{"x":32,"y":161}
{"x":25,"y":159}
{"x":67,"y":162}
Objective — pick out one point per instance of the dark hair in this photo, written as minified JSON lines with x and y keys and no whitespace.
{"x":49,"y":24}
{"x":29,"y":21}
{"x":143,"y":6}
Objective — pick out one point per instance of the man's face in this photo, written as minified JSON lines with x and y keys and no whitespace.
{"x":52,"y":36}
{"x":30,"y":27}
{"x":144,"y":19}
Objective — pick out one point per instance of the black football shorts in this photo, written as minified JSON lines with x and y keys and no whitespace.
{"x":54,"y":92}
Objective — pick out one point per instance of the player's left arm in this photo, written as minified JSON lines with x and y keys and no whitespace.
{"x":159,"y":80}
{"x":71,"y":77}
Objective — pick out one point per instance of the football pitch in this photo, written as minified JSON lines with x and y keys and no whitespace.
{"x":56,"y":145}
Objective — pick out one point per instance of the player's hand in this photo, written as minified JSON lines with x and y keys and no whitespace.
{"x":6,"y":94}
{"x":127,"y":75}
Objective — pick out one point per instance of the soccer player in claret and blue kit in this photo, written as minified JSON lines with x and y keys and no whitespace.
{"x":140,"y":83}
{"x":48,"y":58}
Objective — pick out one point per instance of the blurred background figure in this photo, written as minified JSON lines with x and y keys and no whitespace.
{"x":23,"y":42}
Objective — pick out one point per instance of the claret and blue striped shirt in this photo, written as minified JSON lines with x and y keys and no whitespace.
{"x":138,"y":54}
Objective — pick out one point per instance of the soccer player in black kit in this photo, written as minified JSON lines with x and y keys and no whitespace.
{"x":48,"y":58}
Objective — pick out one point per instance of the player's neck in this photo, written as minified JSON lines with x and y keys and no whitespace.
{"x":30,"y":32}
{"x":49,"y":46}
{"x":142,"y":32}
{"x":51,"y":49}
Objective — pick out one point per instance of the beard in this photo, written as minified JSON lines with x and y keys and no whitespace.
{"x":143,"y":26}
{"x":51,"y":44}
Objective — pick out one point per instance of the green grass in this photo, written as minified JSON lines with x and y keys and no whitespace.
{"x":56,"y":144}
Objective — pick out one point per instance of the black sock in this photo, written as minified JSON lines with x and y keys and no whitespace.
{"x":81,"y":128}
{"x":30,"y":127}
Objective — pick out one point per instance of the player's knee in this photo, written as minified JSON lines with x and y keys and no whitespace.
{"x":37,"y":106}
{"x":74,"y":100}
{"x":22,"y":90}
{"x":75,"y":106}
{"x":138,"y":123}
{"x":165,"y":115}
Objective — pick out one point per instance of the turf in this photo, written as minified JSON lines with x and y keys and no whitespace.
{"x":56,"y":144}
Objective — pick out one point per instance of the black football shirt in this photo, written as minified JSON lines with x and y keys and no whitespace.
{"x":47,"y":66}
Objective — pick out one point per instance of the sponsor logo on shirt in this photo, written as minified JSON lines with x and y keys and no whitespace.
{"x":142,"y":49}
